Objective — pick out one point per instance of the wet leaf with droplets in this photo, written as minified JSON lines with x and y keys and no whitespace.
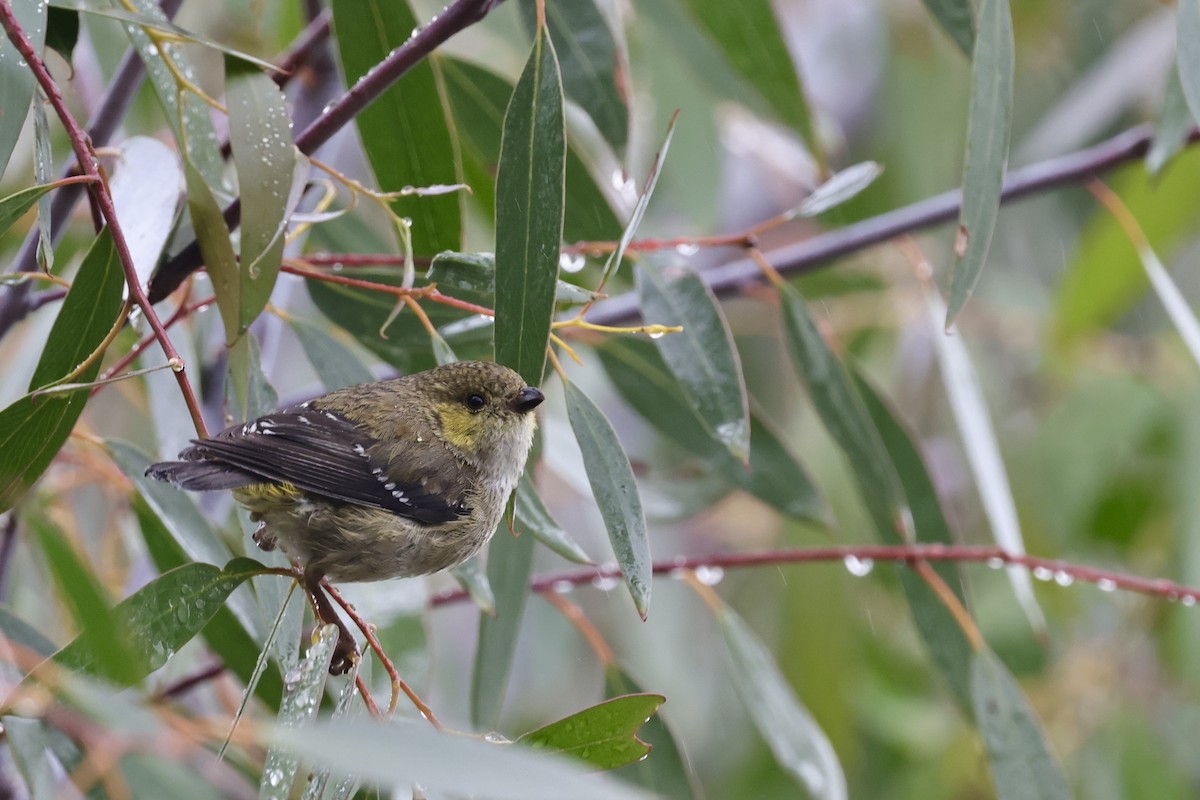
{"x":616,"y":492}
{"x":603,"y":736}
{"x":160,"y":618}
{"x":702,"y":356}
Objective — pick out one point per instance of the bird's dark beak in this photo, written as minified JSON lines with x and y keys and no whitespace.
{"x":527,"y":400}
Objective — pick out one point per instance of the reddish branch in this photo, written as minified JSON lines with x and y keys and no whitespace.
{"x":862,"y":556}
{"x":102,"y":198}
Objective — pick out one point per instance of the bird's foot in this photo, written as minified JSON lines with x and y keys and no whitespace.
{"x":264,"y":538}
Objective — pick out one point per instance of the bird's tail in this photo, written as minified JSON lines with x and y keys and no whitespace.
{"x":201,"y":476}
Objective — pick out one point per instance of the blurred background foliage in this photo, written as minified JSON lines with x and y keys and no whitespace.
{"x":1091,"y":394}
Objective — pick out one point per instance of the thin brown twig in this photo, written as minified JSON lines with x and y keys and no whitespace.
{"x":1047,"y":569}
{"x":368,"y":631}
{"x":98,"y":190}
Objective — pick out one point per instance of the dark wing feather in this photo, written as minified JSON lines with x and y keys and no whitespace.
{"x":320,"y":453}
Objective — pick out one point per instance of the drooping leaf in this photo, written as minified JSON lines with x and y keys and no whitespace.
{"x":594,"y":72}
{"x":404,"y":131}
{"x":775,"y":475}
{"x":62,"y":31}
{"x":335,"y":364}
{"x":1187,"y":53}
{"x":987,"y":148}
{"x":603,"y":736}
{"x":1174,"y":125}
{"x":32,"y":429}
{"x":391,"y":753}
{"x":260,"y":135}
{"x":529,"y":213}
{"x":43,"y":174}
{"x":249,"y":393}
{"x":212,"y":234}
{"x":161,"y":617}
{"x":843,"y":414}
{"x":955,"y":18}
{"x":702,"y":356}
{"x":16,"y":81}
{"x":943,"y":636}
{"x":1022,"y":766}
{"x":474,"y":581}
{"x":616,"y":493}
{"x":799,"y":744}
{"x":533,"y":517}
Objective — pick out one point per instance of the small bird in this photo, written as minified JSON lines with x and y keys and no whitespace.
{"x":382,"y":480}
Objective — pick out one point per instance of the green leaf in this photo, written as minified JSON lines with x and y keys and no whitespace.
{"x":62,"y":31}
{"x":87,"y":601}
{"x":159,"y":23}
{"x":533,"y":517}
{"x":212,"y":234}
{"x":665,"y":772}
{"x":593,"y":63}
{"x":1187,"y":53}
{"x":473,"y":580}
{"x":404,"y":131}
{"x":21,"y":632}
{"x":472,"y":277}
{"x":249,"y":393}
{"x":750,"y":38}
{"x":841,"y":187}
{"x":301,"y":700}
{"x":43,"y":174}
{"x":509,"y":564}
{"x":335,"y":364}
{"x":616,"y":493}
{"x":1174,"y":126}
{"x":799,"y":744}
{"x":191,"y":124}
{"x":987,"y":148}
{"x":16,"y":81}
{"x":775,"y":475}
{"x":31,"y":754}
{"x":477,"y":100}
{"x":529,"y":213}
{"x":1021,"y":762}
{"x":956,"y":20}
{"x":603,"y":736}
{"x":392,"y":753}
{"x":13,"y":207}
{"x":260,"y":135}
{"x":160,"y":618}
{"x":235,"y":632}
{"x":949,"y":648}
{"x":845,"y":417}
{"x":405,"y":343}
{"x":32,"y":429}
{"x":702,"y":356}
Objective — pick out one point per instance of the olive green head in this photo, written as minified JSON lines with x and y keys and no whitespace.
{"x":481,"y":406}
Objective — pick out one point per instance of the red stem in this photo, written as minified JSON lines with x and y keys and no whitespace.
{"x":100,"y":195}
{"x":1046,"y":568}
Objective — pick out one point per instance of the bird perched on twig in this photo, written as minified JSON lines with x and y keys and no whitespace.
{"x":383,"y":480}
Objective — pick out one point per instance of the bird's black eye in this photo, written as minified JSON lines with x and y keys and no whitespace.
{"x":475,"y":402}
